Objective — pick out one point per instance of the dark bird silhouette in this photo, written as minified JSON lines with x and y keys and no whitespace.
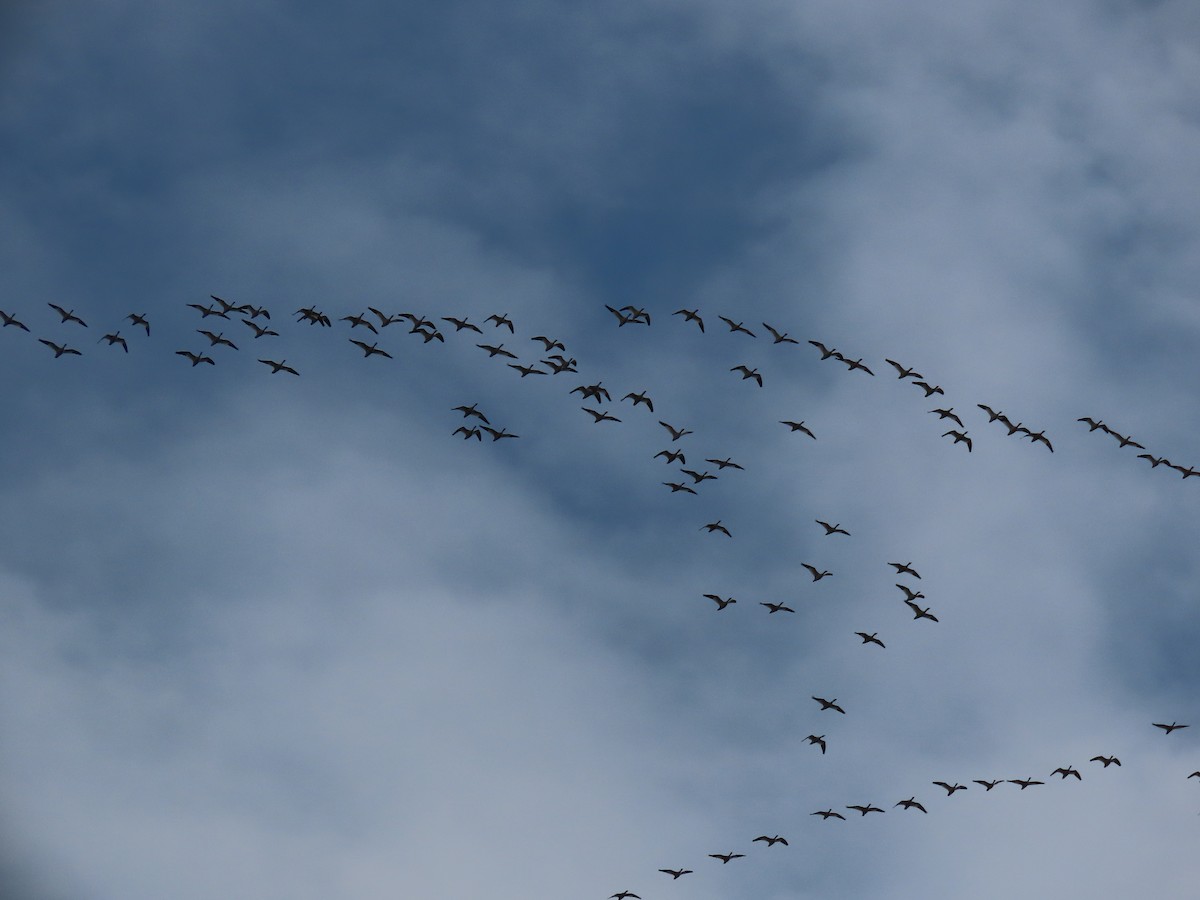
{"x":832,"y":529}
{"x":527,"y":370}
{"x":993,"y":415}
{"x":501,"y":321}
{"x":1036,"y":436}
{"x":871,"y":638}
{"x":278,"y":366}
{"x":817,"y":740}
{"x":812,"y":570}
{"x":776,"y":607}
{"x":950,"y":788}
{"x":675,"y":873}
{"x":853,"y":364}
{"x":690,"y":315}
{"x":115,"y":338}
{"x":593,"y":391}
{"x":1155,"y":461}
{"x":140,"y":319}
{"x":798,"y":426}
{"x":672,"y":456}
{"x":771,"y":841}
{"x":716,"y":526}
{"x":675,"y":487}
{"x":359,"y":321}
{"x":826,"y":352}
{"x":698,"y":477}
{"x":1014,"y":429}
{"x":828,"y":814}
{"x":624,"y":895}
{"x":1167,"y":729}
{"x":370,"y":350}
{"x":1024,"y":782}
{"x":599,"y":416}
{"x":13,"y":320}
{"x":919,"y":613}
{"x":460,"y":324}
{"x":259,"y":330}
{"x":909,"y":593}
{"x":386,"y":320}
{"x":637,"y":314}
{"x":904,"y":569}
{"x":468,"y":433}
{"x":829,"y":704}
{"x":59,"y":349}
{"x":206,"y":311}
{"x":929,"y":389}
{"x":988,"y":785}
{"x":1092,"y":424}
{"x":215,"y":339}
{"x":549,"y":344}
{"x":721,"y":602}
{"x":726,"y":463}
{"x":726,"y":857}
{"x":736,"y":326}
{"x":68,"y":315}
{"x":469,"y":411}
{"x":497,"y":434}
{"x":911,"y":803}
{"x":902,"y":372}
{"x":1107,"y":760}
{"x":1124,"y":440}
{"x":959,"y":436}
{"x":228,"y":307}
{"x":432,"y":334}
{"x":676,"y":433}
{"x":622,"y":319}
{"x":1065,"y":771}
{"x":866,"y":809}
{"x":748,"y":373}
{"x":1186,"y":473}
{"x":196,"y":358}
{"x":560,"y":363}
{"x":1195,"y":774}
{"x":496,"y":351}
{"x":312,"y":317}
{"x":640,"y":398}
{"x":948,"y":414}
{"x":780,"y":337}
{"x":256,"y":311}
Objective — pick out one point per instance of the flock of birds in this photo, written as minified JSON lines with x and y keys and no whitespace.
{"x":552,"y":360}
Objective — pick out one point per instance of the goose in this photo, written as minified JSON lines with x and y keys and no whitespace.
{"x":780,"y":337}
{"x":1036,"y":436}
{"x":871,"y":638}
{"x":228,"y":307}
{"x":1107,"y":760}
{"x":798,"y":426}
{"x":598,"y":416}
{"x":721,"y":602}
{"x":259,"y":330}
{"x":826,"y":352}
{"x":139,"y":319}
{"x":640,"y":398}
{"x":856,"y":364}
{"x":460,"y":324}
{"x":1065,"y":771}
{"x":471,"y":410}
{"x":828,"y":814}
{"x":671,"y":456}
{"x":910,"y":594}
{"x":690,"y":315}
{"x":372,"y":350}
{"x":829,"y":704}
{"x":771,"y":841}
{"x":1124,"y":440}
{"x":832,"y":529}
{"x":1092,"y":424}
{"x":676,"y":487}
{"x":215,"y":339}
{"x":726,"y":463}
{"x":358,"y":321}
{"x":560,"y":363}
{"x":196,"y":358}
{"x":493,"y":351}
{"x":115,"y":338}
{"x":256,"y":311}
{"x":498,"y":434}
{"x":527,"y":370}
{"x":1155,"y":461}
{"x":60,"y":349}
{"x":624,"y":895}
{"x":13,"y":320}
{"x":988,"y":785}
{"x":748,"y":373}
{"x":501,"y":321}
{"x":776,"y":607}
{"x":902,"y":372}
{"x":417,"y":322}
{"x":919,"y":613}
{"x":638,"y":314}
{"x":313,"y":317}
{"x":716,"y":526}
{"x":68,"y":315}
{"x":549,"y":344}
{"x":278,"y":366}
{"x":911,"y":803}
{"x":698,"y":477}
{"x":948,"y":414}
{"x":676,"y":873}
{"x":430,"y":334}
{"x":736,"y":326}
{"x":622,"y":319}
{"x":726,"y":857}
{"x":1186,"y":473}
{"x":676,"y":433}
{"x":1024,"y":782}
{"x":595,"y":391}
{"x":929,"y":389}
{"x":812,"y":570}
{"x":866,"y":809}
{"x":904,"y":569}
{"x":1167,"y":729}
{"x":386,"y":320}
{"x":993,"y":415}
{"x":959,"y":436}
{"x":817,"y":740}
{"x":206,"y":311}
{"x":950,"y":788}
{"x":468,"y":433}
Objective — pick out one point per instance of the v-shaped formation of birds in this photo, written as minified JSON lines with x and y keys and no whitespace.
{"x":552,"y":359}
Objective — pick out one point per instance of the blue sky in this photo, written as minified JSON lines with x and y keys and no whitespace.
{"x":278,"y":636}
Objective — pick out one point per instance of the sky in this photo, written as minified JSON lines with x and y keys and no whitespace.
{"x":274,"y":636}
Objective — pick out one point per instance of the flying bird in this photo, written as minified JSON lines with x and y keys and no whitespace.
{"x":690,"y":315}
{"x":206,"y":311}
{"x":622,"y":319}
{"x":904,"y":569}
{"x":386,"y":320}
{"x":812,"y":570}
{"x":832,"y":529}
{"x":139,"y":319}
{"x":698,"y":477}
{"x":215,"y":339}
{"x":468,"y":433}
{"x":826,"y":352}
{"x":460,"y":324}
{"x":817,"y":740}
{"x":496,"y":351}
{"x":471,"y":410}
{"x":59,"y":349}
{"x":1092,"y":424}
{"x":12,"y":320}
{"x":1107,"y":760}
{"x":919,"y":613}
{"x":993,"y":415}
{"x":748,"y":373}
{"x":310,"y":315}
{"x":639,"y":398}
{"x":358,"y":321}
{"x":501,"y":321}
{"x":675,"y":487}
{"x":598,"y":415}
{"x":372,"y":350}
{"x":726,"y":463}
{"x":1155,"y":461}
{"x":909,"y":593}
{"x":950,"y":788}
{"x":68,"y":315}
{"x":771,"y":841}
{"x":726,"y":857}
{"x":549,"y":344}
{"x":498,"y":434}
{"x":624,"y":895}
{"x":527,"y":370}
{"x":948,"y":414}
{"x":902,"y":372}
{"x":1036,"y":436}
{"x":736,"y":326}
{"x":929,"y":389}
{"x":856,"y":364}
{"x":1065,"y":771}
{"x":780,"y":337}
{"x":911,"y":803}
{"x":596,"y":391}
{"x":866,"y":809}
{"x":675,"y":873}
{"x":959,"y":436}
{"x":1024,"y":782}
{"x":259,"y":330}
{"x":115,"y":338}
{"x":672,"y":456}
{"x":230,"y":307}
{"x":828,"y":814}
{"x":871,"y":638}
{"x":829,"y":704}
{"x":716,"y":526}
{"x":1124,"y":440}
{"x":988,"y":785}
{"x":196,"y":358}
{"x":278,"y":366}
{"x":676,"y":433}
{"x":1167,"y":729}
{"x":798,"y":426}
{"x":776,"y":607}
{"x":721,"y":602}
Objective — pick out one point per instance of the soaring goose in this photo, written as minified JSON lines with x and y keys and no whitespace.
{"x":259,"y":330}
{"x":1167,"y":729}
{"x":726,"y":857}
{"x":904,"y":569}
{"x":549,"y":344}
{"x":959,"y":436}
{"x":736,"y":326}
{"x":1065,"y":771}
{"x":828,"y":814}
{"x":469,"y":411}
{"x":359,"y":322}
{"x":672,"y":456}
{"x":771,"y":841}
{"x":1107,"y":760}
{"x":988,"y":785}
{"x":460,"y":324}
{"x":501,"y":321}
{"x":929,"y":389}
{"x":115,"y":338}
{"x":12,"y":320}
{"x":948,"y":414}
{"x":371,"y":350}
{"x":59,"y":349}
{"x":196,"y":358}
{"x":798,"y":426}
{"x":676,"y":487}
{"x":748,"y":373}
{"x":829,"y":704}
{"x":866,"y":809}
{"x":527,"y":370}
{"x":639,"y":398}
{"x":871,"y":638}
{"x":780,"y":337}
{"x":676,"y":873}
{"x":911,"y":803}
{"x":206,"y":311}
{"x":598,"y":415}
{"x":776,"y":607}
{"x":950,"y":788}
{"x":726,"y":463}
{"x":497,"y":434}
{"x":721,"y":602}
{"x":826,"y":352}
{"x":832,"y":529}
{"x":278,"y":366}
{"x":68,"y":315}
{"x":817,"y":740}
{"x":676,"y":433}
{"x":716,"y":526}
{"x":1024,"y":782}
{"x":215,"y":339}
{"x":140,"y":319}
{"x":499,"y":350}
{"x":902,"y":372}
{"x":690,"y":315}
{"x":812,"y":570}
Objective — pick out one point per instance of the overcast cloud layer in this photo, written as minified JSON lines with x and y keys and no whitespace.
{"x":272,"y":636}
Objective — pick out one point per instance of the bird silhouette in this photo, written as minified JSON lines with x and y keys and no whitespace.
{"x":748,"y":373}
{"x":676,"y":433}
{"x":780,"y":337}
{"x":776,"y":607}
{"x":959,"y":436}
{"x":993,"y":415}
{"x":60,"y":349}
{"x":721,"y":602}
{"x":676,"y":487}
{"x":929,"y":389}
{"x":12,"y":320}
{"x":596,"y":392}
{"x":832,"y":529}
{"x":1107,"y":760}
{"x":736,"y":326}
{"x":471,"y":410}
{"x":549,"y":343}
{"x":527,"y":370}
{"x":726,"y":857}
{"x":1024,"y":782}
{"x":716,"y":526}
{"x":817,"y":740}
{"x":948,"y":414}
{"x":671,"y":456}
{"x":853,"y":364}
{"x":798,"y":426}
{"x":497,"y":434}
{"x":812,"y":570}
{"x":676,"y":873}
{"x":468,"y":433}
{"x":871,"y":638}
{"x":68,"y":315}
{"x":599,"y":416}
{"x":501,"y":321}
{"x":359,"y":322}
{"x":499,"y":350}
{"x":698,"y":477}
{"x":904,"y":569}
{"x":1093,"y":424}
{"x":640,"y":398}
{"x":771,"y":841}
{"x":259,"y":330}
{"x":919,"y":613}
{"x":460,"y":324}
{"x":690,"y":315}
{"x":951,"y":788}
{"x":1036,"y":436}
{"x":386,"y":320}
{"x":911,"y":803}
{"x":726,"y":463}
{"x":278,"y":366}
{"x":1066,"y":771}
{"x":196,"y":358}
{"x":866,"y":809}
{"x":1167,"y":729}
{"x":215,"y":339}
{"x":371,"y":350}
{"x":988,"y":785}
{"x":909,"y":593}
{"x":206,"y":311}
{"x":829,"y":704}
{"x":115,"y":338}
{"x":828,"y":814}
{"x":902,"y":372}
{"x":139,"y":319}
{"x":1123,"y":440}
{"x":826,"y":352}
